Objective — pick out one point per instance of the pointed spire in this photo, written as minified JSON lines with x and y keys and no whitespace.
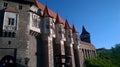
{"x":84,"y":30}
{"x":67,"y":26}
{"x":85,"y":36}
{"x":46,"y":12}
{"x":58,"y":19}
{"x":74,"y":29}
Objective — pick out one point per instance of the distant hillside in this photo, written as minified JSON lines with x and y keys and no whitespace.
{"x":106,"y":58}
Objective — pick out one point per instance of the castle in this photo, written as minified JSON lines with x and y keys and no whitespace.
{"x":32,"y":35}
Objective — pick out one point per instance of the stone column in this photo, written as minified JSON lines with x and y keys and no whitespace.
{"x":47,"y":53}
{"x":59,"y":53}
{"x":69,"y":55}
{"x":72,"y":54}
{"x":81,"y":58}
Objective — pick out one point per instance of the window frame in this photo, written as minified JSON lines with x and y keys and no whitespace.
{"x":5,"y":4}
{"x":11,"y":21}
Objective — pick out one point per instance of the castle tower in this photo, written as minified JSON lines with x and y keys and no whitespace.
{"x":59,"y":51}
{"x":87,"y":48}
{"x":47,"y":37}
{"x":70,"y":61}
{"x":14,"y":39}
{"x":32,"y":35}
{"x":85,"y":36}
{"x":77,"y":51}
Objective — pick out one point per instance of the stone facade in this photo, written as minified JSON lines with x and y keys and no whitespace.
{"x":32,"y":35}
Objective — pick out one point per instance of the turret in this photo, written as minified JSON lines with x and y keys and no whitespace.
{"x":77,"y":52}
{"x":47,"y":22}
{"x":75,"y":36}
{"x":85,"y":36}
{"x":68,"y":32}
{"x":69,"y":46}
{"x":47,"y":39}
{"x":59,"y":50}
{"x":59,"y":26}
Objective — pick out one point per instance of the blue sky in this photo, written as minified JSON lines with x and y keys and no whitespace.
{"x":100,"y":17}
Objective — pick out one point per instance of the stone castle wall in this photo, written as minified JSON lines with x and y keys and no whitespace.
{"x":45,"y":48}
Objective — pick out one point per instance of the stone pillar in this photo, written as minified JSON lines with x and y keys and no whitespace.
{"x":59,"y":53}
{"x":81,"y":58}
{"x":77,"y":57}
{"x":90,"y":53}
{"x":47,"y":53}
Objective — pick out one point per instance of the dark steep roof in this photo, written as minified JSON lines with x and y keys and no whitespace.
{"x":74,"y":29}
{"x":84,"y":31}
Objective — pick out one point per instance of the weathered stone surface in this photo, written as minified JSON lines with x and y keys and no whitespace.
{"x":47,"y":45}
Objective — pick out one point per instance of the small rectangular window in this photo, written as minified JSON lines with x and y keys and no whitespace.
{"x":9,"y":34}
{"x":10,"y":21}
{"x":20,"y":7}
{"x":13,"y":34}
{"x":5,"y":34}
{"x":5,"y":4}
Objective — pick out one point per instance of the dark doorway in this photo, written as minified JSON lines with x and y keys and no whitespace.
{"x":7,"y":61}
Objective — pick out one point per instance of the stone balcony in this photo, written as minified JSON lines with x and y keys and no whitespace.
{"x":34,"y":31}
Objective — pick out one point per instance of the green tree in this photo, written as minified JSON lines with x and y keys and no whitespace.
{"x":105,"y":58}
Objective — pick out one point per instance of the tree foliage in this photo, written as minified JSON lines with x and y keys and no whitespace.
{"x":105,"y":58}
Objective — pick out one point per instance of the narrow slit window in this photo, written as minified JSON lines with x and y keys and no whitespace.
{"x":9,"y":34}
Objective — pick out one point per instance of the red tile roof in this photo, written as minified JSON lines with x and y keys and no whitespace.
{"x":67,"y":26}
{"x":58,"y":20}
{"x":11,"y":9}
{"x":50,"y":12}
{"x":74,"y":29}
{"x":39,"y":5}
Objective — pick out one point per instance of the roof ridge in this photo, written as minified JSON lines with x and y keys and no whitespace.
{"x":51,"y":13}
{"x":11,"y":9}
{"x":39,"y":5}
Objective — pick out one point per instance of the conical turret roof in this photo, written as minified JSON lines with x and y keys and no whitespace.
{"x":46,"y":12}
{"x":58,"y":20}
{"x":74,"y":29}
{"x":67,"y":26}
